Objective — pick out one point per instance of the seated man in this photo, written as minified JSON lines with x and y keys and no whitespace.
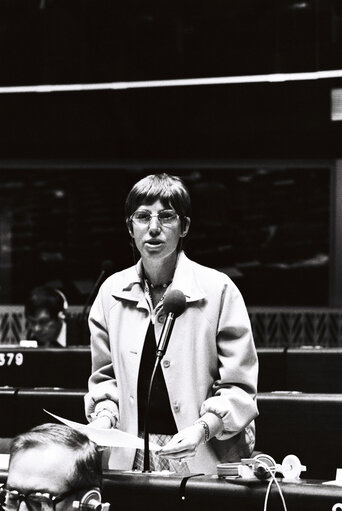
{"x":50,"y":467}
{"x":45,"y":312}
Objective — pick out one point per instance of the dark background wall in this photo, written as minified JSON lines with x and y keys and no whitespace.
{"x":259,"y":158}
{"x":266,"y":226}
{"x":88,"y":41}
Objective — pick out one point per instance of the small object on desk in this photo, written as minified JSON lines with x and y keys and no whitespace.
{"x":28,"y":344}
{"x":228,"y":469}
{"x":4,"y":461}
{"x":338,"y":479}
{"x":291,"y":468}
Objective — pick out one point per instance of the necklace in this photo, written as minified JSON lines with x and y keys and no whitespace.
{"x":158,"y":286}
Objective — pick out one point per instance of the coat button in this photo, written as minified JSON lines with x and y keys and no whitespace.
{"x":176,"y":407}
{"x":166,"y":363}
{"x":161,"y":318}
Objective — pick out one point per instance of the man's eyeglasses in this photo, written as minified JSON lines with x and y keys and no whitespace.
{"x":41,"y":323}
{"x":10,"y":500}
{"x":166,"y":217}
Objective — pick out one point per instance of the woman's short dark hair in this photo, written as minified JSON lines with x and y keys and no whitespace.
{"x":170,"y":190}
{"x":44,"y":297}
{"x":88,"y":458}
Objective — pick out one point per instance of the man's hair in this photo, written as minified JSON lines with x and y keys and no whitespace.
{"x":88,"y":459}
{"x":170,"y":190}
{"x":44,"y":297}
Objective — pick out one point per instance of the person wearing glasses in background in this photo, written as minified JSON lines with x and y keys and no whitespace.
{"x":203,"y":400}
{"x":50,"y":467}
{"x":48,"y":321}
{"x":45,"y":313}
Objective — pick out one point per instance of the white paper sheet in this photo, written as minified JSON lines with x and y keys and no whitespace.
{"x":107,"y":437}
{"x":4,"y":460}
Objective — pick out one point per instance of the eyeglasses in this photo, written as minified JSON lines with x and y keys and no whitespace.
{"x":166,"y":217}
{"x":41,"y":323}
{"x":10,"y":500}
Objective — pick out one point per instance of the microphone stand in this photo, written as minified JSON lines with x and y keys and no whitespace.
{"x":106,"y":268}
{"x":147,"y":420}
{"x":167,"y":329}
{"x":91,"y":294}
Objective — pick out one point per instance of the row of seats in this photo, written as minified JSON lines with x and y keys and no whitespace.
{"x":299,"y":402}
{"x":300,"y":369}
{"x":306,"y":369}
{"x":24,"y":408}
{"x":67,"y":368}
{"x":308,"y":425}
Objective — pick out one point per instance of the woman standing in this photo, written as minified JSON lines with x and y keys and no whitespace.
{"x":203,"y":398}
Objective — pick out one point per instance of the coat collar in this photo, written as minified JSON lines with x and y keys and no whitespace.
{"x":130,"y":287}
{"x":185,"y":280}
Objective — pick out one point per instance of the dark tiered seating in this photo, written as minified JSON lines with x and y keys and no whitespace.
{"x":308,"y":425}
{"x":45,"y":367}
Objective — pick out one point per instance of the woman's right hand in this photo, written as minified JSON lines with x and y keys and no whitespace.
{"x":103,"y":422}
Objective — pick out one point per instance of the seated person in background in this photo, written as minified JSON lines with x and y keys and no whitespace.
{"x":45,"y":312}
{"x":50,"y":467}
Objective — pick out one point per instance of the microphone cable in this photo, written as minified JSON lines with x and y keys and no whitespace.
{"x":273,"y":480}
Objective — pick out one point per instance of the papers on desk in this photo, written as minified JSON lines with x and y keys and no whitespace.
{"x":4,"y":460}
{"x":337,"y":481}
{"x":107,"y":437}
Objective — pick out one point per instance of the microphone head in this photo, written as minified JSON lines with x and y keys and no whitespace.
{"x":174,"y":301}
{"x":107,"y":266}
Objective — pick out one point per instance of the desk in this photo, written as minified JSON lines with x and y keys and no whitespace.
{"x":308,"y":425}
{"x":314,"y":369}
{"x":132,"y":491}
{"x":45,"y":367}
{"x":8,"y":412}
{"x":129,"y":492}
{"x":23,"y":408}
{"x":207,"y":494}
{"x":30,"y":403}
{"x":272,"y":369}
{"x":70,"y":367}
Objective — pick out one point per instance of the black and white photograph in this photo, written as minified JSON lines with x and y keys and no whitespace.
{"x":171,"y":255}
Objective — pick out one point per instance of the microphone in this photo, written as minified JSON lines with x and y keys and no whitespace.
{"x":106,"y":268}
{"x":174,"y":305}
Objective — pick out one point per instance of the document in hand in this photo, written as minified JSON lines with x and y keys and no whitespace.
{"x":107,"y":437}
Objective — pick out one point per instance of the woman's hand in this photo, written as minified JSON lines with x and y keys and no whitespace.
{"x":183,"y":444}
{"x":102,"y":422}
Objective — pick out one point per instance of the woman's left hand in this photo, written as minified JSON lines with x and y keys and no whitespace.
{"x":183,"y":444}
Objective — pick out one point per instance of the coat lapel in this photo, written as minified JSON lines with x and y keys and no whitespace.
{"x":185,"y":280}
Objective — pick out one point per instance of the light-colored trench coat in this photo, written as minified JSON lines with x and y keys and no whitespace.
{"x":210,"y":364}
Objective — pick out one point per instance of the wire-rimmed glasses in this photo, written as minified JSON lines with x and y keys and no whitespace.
{"x":143,"y":217}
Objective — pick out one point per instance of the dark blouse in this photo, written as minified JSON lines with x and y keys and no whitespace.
{"x":160,"y":417}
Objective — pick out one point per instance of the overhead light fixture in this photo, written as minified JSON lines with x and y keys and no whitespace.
{"x":178,"y":82}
